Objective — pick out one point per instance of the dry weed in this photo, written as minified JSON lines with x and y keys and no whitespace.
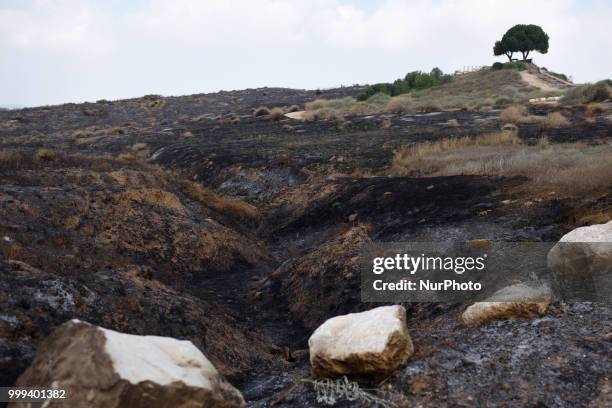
{"x":235,"y":208}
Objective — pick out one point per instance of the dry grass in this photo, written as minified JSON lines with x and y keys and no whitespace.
{"x":135,"y":152}
{"x":16,"y":160}
{"x":316,"y":104}
{"x":453,"y":123}
{"x":554,"y":120}
{"x":563,"y":169}
{"x":276,"y":113}
{"x":416,"y":159}
{"x":115,"y":131}
{"x":543,"y":142}
{"x":594,"y":108}
{"x":44,"y":154}
{"x":234,"y":208}
{"x":261,"y":111}
{"x":584,"y":94}
{"x":399,"y":105}
{"x":510,"y":127}
{"x":514,"y":114}
{"x":337,"y":109}
{"x":10,"y":159}
{"x":404,"y":104}
{"x":158,"y":103}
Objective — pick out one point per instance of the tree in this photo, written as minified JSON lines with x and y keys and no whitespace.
{"x":524,"y":39}
{"x":500,"y":49}
{"x":436,"y":73}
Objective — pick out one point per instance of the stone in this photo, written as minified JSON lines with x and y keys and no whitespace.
{"x":512,"y":302}
{"x":581,"y":264}
{"x":367,"y":345}
{"x":105,"y":368}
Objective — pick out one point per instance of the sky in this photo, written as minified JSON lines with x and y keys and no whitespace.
{"x":57,"y":51}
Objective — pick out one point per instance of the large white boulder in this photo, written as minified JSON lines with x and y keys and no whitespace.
{"x":581,"y":264}
{"x":512,"y":302}
{"x":366,"y":345}
{"x":105,"y":368}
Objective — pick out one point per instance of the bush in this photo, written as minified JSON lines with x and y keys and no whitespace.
{"x":315,"y":105}
{"x":517,"y":65}
{"x":594,"y":107}
{"x":44,"y":154}
{"x":415,"y":80}
{"x":399,"y":105}
{"x":554,"y":120}
{"x":513,"y":114}
{"x":262,"y":111}
{"x":606,"y":82}
{"x":276,"y":113}
{"x":428,"y":107}
{"x":583,"y":94}
{"x":385,"y":88}
{"x":503,"y":101}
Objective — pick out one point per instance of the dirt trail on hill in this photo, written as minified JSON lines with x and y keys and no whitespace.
{"x":534,"y":80}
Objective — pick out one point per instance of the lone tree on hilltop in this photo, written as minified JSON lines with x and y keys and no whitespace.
{"x":524,"y":39}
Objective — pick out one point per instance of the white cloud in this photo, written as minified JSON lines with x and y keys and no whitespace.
{"x":71,"y":50}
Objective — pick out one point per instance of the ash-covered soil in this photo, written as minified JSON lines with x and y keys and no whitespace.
{"x":108,"y":227}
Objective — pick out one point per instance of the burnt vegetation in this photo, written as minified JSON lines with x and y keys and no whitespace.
{"x":219,"y":219}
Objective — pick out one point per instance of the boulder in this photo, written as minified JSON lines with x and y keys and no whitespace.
{"x":367,"y":345}
{"x":105,"y":368}
{"x":512,"y":302}
{"x":581,"y":264}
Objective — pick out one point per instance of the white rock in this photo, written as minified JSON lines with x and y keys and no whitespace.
{"x":105,"y":368}
{"x":581,"y":264}
{"x":369,"y":344}
{"x":161,"y":360}
{"x":512,"y":302}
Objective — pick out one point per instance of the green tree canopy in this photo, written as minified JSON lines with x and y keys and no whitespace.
{"x":524,"y":39}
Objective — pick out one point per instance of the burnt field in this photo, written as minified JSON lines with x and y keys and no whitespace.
{"x":192,"y":217}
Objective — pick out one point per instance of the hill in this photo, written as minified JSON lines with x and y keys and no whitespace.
{"x":217,"y":219}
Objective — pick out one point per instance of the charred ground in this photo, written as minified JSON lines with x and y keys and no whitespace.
{"x":104,"y":218}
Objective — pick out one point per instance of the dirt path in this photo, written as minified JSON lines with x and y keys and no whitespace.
{"x":533,"y":80}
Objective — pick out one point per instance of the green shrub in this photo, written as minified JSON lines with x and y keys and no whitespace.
{"x":503,"y":101}
{"x":415,"y":80}
{"x":518,"y":65}
{"x":605,"y":82}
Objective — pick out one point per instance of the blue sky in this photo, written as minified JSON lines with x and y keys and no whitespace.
{"x":58,"y":51}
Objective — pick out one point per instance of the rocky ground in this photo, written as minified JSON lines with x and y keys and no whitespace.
{"x":110,"y":224}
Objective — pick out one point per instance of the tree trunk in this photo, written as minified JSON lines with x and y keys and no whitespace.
{"x":509,"y":55}
{"x":525,"y":55}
